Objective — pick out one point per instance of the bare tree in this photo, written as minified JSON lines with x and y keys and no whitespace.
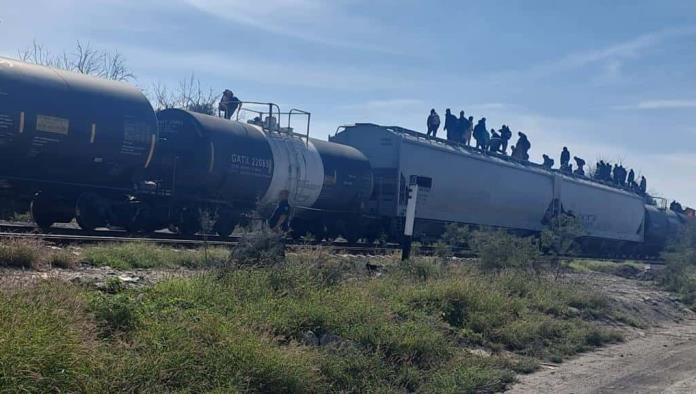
{"x":188,"y":95}
{"x":85,"y":60}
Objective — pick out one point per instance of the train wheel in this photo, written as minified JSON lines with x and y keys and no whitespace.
{"x":190,"y":222}
{"x":41,"y":212}
{"x":298,"y":229}
{"x":87,"y":212}
{"x":142,"y":220}
{"x":224,"y":226}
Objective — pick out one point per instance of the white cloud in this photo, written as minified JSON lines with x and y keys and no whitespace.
{"x":325,"y":22}
{"x":610,"y":59}
{"x":659,"y":104}
{"x":229,"y":65}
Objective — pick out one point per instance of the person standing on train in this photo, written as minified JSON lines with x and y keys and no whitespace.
{"x":565,"y":159}
{"x":505,"y":136}
{"x":229,"y":103}
{"x":468,"y":132}
{"x":461,"y":127}
{"x":481,"y":134}
{"x":631,"y":178}
{"x":450,"y":124}
{"x":433,"y":123}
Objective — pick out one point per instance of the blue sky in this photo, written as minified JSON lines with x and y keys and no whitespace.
{"x":611,"y":80}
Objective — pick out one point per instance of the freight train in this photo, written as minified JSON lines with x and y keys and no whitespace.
{"x":86,"y":149}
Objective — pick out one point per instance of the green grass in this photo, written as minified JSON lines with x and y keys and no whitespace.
{"x":606,"y":267}
{"x":249,"y":330}
{"x":21,"y":253}
{"x":147,"y":255}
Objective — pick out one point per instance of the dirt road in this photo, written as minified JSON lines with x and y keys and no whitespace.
{"x":660,"y":359}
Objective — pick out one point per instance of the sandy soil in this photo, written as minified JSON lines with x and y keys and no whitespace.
{"x":658,"y":359}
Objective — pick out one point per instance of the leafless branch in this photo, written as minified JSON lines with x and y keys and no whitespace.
{"x":84,"y":60}
{"x":188,"y":95}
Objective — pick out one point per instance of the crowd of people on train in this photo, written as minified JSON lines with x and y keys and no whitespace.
{"x":461,"y":130}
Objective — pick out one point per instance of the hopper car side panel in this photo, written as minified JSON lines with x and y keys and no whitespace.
{"x":605,"y":212}
{"x":470,"y":189}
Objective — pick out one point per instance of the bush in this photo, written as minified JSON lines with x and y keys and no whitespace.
{"x":63,"y":259}
{"x":499,"y":250}
{"x":679,"y":274}
{"x":21,"y":253}
{"x":259,"y":249}
{"x":456,"y":235}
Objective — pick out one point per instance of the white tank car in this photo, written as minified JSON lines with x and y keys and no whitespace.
{"x":470,"y":187}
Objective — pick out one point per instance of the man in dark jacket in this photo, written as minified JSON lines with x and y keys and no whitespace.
{"x":433,"y":123}
{"x":631,"y":177}
{"x":548,"y":162}
{"x":451,"y":124}
{"x":462,"y":123}
{"x":495,"y":142}
{"x":229,"y":103}
{"x":580,"y":164}
{"x":280,"y":220}
{"x":522,"y":147}
{"x":481,"y":134}
{"x":505,"y":136}
{"x":565,"y":158}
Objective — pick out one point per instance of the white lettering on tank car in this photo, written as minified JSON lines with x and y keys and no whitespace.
{"x":250,"y":165}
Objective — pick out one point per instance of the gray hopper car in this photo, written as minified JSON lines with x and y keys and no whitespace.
{"x":470,"y":187}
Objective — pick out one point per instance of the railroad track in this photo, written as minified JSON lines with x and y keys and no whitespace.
{"x":67,"y":235}
{"x":71,"y":235}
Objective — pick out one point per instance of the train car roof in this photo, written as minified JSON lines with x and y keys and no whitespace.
{"x":416,"y":137}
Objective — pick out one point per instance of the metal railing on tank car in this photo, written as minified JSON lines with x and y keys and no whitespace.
{"x":269,"y":120}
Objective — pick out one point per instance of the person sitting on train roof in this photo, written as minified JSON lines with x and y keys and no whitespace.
{"x":495,"y":143}
{"x":505,"y":136}
{"x":548,"y":162}
{"x":565,"y":159}
{"x":580,"y":164}
{"x":521,"y":149}
{"x":466,"y":139}
{"x":450,"y":124}
{"x":433,"y":123}
{"x":481,"y":134}
{"x":598,"y":170}
{"x":229,"y":103}
{"x":676,"y":207}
